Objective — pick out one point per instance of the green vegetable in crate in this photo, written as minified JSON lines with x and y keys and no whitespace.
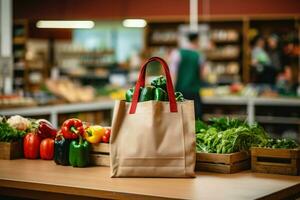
{"x":9,"y":134}
{"x":160,"y":95}
{"x":285,"y":143}
{"x":224,"y":123}
{"x":179,"y":97}
{"x":147,"y":94}
{"x":227,"y":135}
{"x":160,"y":82}
{"x":61,"y":150}
{"x":79,"y":153}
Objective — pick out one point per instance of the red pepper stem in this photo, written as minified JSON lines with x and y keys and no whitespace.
{"x":74,"y":130}
{"x":80,"y":139}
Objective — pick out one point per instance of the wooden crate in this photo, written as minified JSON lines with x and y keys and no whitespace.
{"x":99,"y":154}
{"x":11,"y":150}
{"x":223,"y":163}
{"x":275,"y":161}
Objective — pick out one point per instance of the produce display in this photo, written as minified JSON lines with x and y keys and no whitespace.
{"x":70,"y":145}
{"x":157,"y":91}
{"x":225,"y":135}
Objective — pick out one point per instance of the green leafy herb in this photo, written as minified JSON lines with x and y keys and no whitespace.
{"x":10,"y":134}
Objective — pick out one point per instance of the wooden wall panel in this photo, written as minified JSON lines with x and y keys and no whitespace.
{"x":118,"y":9}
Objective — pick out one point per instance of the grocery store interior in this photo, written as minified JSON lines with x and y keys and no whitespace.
{"x":63,"y":59}
{"x":97,"y":62}
{"x":249,"y":50}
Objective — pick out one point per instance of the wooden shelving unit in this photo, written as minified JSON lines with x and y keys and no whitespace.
{"x":93,"y":66}
{"x":241,"y":25}
{"x":20,"y":35}
{"x":161,"y":39}
{"x":29,"y":72}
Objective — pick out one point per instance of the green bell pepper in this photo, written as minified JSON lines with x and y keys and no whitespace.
{"x":129,"y":94}
{"x":79,"y":153}
{"x":160,"y":95}
{"x":147,"y":94}
{"x":61,"y":150}
{"x":179,"y":96}
{"x":160,"y":82}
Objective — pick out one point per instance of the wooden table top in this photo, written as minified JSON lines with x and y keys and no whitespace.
{"x":95,"y":182}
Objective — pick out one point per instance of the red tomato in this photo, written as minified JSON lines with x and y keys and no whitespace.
{"x":31,"y":146}
{"x":105,"y":139}
{"x":47,"y":149}
{"x":107,"y":132}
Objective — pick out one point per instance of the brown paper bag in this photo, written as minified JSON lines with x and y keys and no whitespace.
{"x":153,"y":138}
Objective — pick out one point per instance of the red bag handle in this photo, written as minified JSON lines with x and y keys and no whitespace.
{"x":141,"y":83}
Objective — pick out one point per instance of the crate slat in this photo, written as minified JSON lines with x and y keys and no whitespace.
{"x":276,"y":153}
{"x":275,"y":161}
{"x":223,"y":163}
{"x":100,"y":148}
{"x":213,"y":157}
{"x":100,"y":160}
{"x":11,"y":150}
{"x":99,"y":154}
{"x":221,"y":168}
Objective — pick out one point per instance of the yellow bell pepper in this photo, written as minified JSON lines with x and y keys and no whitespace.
{"x":93,"y":134}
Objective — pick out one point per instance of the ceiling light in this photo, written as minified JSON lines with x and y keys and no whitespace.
{"x":65,"y":24}
{"x":134,"y":23}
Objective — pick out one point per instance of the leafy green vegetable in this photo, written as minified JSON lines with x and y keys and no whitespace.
{"x":225,"y":135}
{"x":285,"y":143}
{"x":200,"y":125}
{"x":224,"y":123}
{"x":9,"y":134}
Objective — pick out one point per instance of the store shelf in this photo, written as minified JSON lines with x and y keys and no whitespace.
{"x":277,"y":120}
{"x":226,"y":41}
{"x":19,"y":40}
{"x":233,"y":100}
{"x":251,"y":103}
{"x":87,"y":53}
{"x":206,"y":117}
{"x":222,"y":58}
{"x":54,"y":110}
{"x":229,"y":100}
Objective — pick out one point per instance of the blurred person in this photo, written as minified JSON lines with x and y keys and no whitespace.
{"x":260,"y":60}
{"x":185,"y":66}
{"x":274,"y":52}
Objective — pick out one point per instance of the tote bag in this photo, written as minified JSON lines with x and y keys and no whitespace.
{"x":153,"y":138}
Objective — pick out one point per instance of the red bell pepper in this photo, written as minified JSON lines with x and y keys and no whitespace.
{"x":45,"y":129}
{"x":47,"y":149}
{"x":71,"y":128}
{"x":31,"y":146}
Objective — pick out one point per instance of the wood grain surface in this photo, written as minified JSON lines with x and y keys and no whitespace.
{"x":45,"y":178}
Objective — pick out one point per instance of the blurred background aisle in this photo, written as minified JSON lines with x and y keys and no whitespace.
{"x":250,"y":55}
